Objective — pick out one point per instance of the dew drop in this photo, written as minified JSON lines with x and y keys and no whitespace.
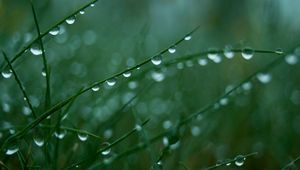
{"x":195,"y":131}
{"x":26,"y":110}
{"x":228,"y":53}
{"x":35,"y":49}
{"x":107,"y":151}
{"x":44,"y":74}
{"x":70,"y":20}
{"x":96,"y":88}
{"x":291,"y":59}
{"x":239,"y":160}
{"x":202,"y":62}
{"x":92,"y":5}
{"x":172,"y":50}
{"x":157,"y":76}
{"x":54,"y":31}
{"x":138,"y":127}
{"x":247,"y":86}
{"x":212,"y":53}
{"x":264,"y":77}
{"x":279,"y":51}
{"x":39,"y":141}
{"x":224,"y":101}
{"x":156,"y":60}
{"x":6,"y":74}
{"x":60,"y":134}
{"x":82,"y":136}
{"x":81,"y":12}
{"x":247,"y":53}
{"x":189,"y":63}
{"x":111,"y":82}
{"x":127,"y":73}
{"x":188,"y":37}
{"x":180,"y":66}
{"x":12,"y":150}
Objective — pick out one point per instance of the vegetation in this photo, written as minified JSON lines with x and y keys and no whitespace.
{"x":149,"y":85}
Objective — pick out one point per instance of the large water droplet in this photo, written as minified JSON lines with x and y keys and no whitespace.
{"x":202,"y":61}
{"x":156,"y":60}
{"x":264,"y":77}
{"x":127,"y":73}
{"x":107,"y":151}
{"x":172,"y":49}
{"x":228,"y":53}
{"x":291,"y":59}
{"x":157,"y":76}
{"x":35,"y":49}
{"x":111,"y":82}
{"x":188,"y":37}
{"x":12,"y":150}
{"x":39,"y":141}
{"x":239,"y":160}
{"x":82,"y":136}
{"x":96,"y":88}
{"x":247,"y":53}
{"x":6,"y":74}
{"x":60,"y":134}
{"x":212,"y":53}
{"x":55,"y":31}
{"x":71,"y":20}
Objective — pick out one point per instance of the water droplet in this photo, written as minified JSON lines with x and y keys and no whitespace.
{"x":54,"y":31}
{"x":202,"y":62}
{"x":189,"y":63}
{"x":81,"y":12}
{"x":247,"y":86}
{"x":12,"y":150}
{"x":195,"y":131}
{"x":111,"y":82}
{"x":180,"y":66}
{"x":92,"y":5}
{"x":108,"y":133}
{"x":96,"y":88}
{"x":71,"y":20}
{"x":228,"y":53}
{"x":60,"y":134}
{"x":264,"y":77}
{"x":39,"y":141}
{"x":12,"y":131}
{"x":6,"y":74}
{"x":157,"y":76}
{"x":35,"y":49}
{"x":165,"y":141}
{"x":247,"y":53}
{"x":127,"y":73}
{"x":167,"y":124}
{"x":279,"y":51}
{"x":82,"y":136}
{"x":188,"y":37}
{"x":172,"y":49}
{"x":138,"y":127}
{"x":291,"y":59}
{"x":239,"y":160}
{"x":228,"y":164}
{"x":107,"y":151}
{"x":224,"y":101}
{"x":212,"y":53}
{"x":26,"y":110}
{"x":156,"y":60}
{"x":44,"y":74}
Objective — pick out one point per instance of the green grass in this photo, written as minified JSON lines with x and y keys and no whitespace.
{"x":179,"y":108}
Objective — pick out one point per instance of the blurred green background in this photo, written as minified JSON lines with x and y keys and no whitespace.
{"x":117,"y":34}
